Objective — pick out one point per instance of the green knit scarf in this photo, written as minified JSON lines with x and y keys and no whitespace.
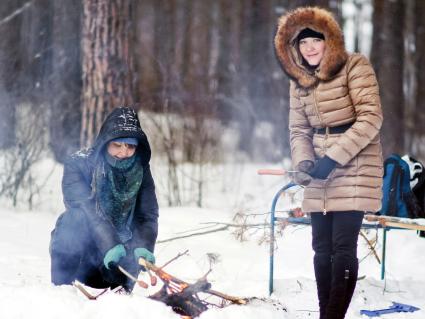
{"x":117,"y":183}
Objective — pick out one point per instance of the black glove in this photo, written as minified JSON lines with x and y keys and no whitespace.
{"x":306,"y":166}
{"x":323,"y":167}
{"x":302,"y":177}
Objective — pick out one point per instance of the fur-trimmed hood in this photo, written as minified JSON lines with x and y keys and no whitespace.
{"x":320,"y":20}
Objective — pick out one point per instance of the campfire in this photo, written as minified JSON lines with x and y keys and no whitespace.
{"x":189,"y":300}
{"x":183,"y":297}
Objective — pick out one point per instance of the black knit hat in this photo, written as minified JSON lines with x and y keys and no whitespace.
{"x":309,"y":33}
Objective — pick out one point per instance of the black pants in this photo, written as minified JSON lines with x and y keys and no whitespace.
{"x":335,"y":236}
{"x":75,"y":256}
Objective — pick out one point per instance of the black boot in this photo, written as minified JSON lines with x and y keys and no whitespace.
{"x":323,"y":273}
{"x":344,"y":278}
{"x":351,"y":284}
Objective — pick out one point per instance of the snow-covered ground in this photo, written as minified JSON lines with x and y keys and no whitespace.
{"x":241,"y":267}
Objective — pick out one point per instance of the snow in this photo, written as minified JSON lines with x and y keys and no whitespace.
{"x":241,"y":267}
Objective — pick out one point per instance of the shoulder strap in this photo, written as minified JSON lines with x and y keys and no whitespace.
{"x":395,"y":188}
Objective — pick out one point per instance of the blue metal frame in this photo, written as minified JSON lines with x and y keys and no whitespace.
{"x":273,"y":219}
{"x":384,"y":250}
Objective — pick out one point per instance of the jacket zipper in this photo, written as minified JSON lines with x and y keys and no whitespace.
{"x":325,"y":199}
{"x":315,"y":106}
{"x":324,"y":143}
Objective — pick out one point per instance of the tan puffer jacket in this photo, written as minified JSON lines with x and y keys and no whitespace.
{"x":342,"y":90}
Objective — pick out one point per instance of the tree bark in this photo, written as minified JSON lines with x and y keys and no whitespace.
{"x":334,"y":6}
{"x":418,"y":112}
{"x":144,"y":76}
{"x":228,"y":58}
{"x":106,"y":62}
{"x":164,"y":48}
{"x":387,"y":58}
{"x":10,"y":68}
{"x":66,"y":80}
{"x":410,"y":76}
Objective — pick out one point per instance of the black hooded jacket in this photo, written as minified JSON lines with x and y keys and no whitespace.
{"x":77,"y":185}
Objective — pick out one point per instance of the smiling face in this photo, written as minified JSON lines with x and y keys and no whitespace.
{"x":121,"y":150}
{"x":312,"y":50}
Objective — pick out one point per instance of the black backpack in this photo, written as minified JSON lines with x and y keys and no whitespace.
{"x":403,"y":187}
{"x":417,"y":183}
{"x":417,"y":179}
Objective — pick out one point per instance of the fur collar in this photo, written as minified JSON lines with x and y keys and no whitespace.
{"x":320,"y":20}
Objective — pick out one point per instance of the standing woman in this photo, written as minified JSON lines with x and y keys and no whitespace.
{"x":334,"y":122}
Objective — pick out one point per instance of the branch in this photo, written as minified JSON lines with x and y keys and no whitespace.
{"x":192,"y":235}
{"x":178,"y":256}
{"x":15,"y":13}
{"x":371,"y":246}
{"x":224,"y":227}
{"x":390,"y":221}
{"x":166,"y":277}
{"x":140,"y":282}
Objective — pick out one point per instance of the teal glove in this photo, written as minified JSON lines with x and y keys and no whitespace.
{"x":144,"y":253}
{"x":114,"y":255}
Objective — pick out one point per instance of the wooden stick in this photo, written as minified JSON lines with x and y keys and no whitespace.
{"x":370,"y":246}
{"x":172,"y":259}
{"x":81,"y":288}
{"x":164,"y":276}
{"x":140,"y":282}
{"x":268,"y":171}
{"x":390,"y":221}
{"x":404,"y":225}
{"x":405,"y":220}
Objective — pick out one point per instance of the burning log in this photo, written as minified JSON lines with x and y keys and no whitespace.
{"x":180,"y":295}
{"x":184,"y":302}
{"x":167,"y":279}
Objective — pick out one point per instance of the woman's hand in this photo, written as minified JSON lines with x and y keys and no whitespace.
{"x":114,"y":255}
{"x":303,"y":176}
{"x":145,"y":254}
{"x":306,"y":166}
{"x":323,"y":167}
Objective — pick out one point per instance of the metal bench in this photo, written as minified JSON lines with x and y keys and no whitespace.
{"x":386,"y":223}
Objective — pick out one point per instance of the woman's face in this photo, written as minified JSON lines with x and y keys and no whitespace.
{"x":121,"y":150}
{"x":312,"y":50}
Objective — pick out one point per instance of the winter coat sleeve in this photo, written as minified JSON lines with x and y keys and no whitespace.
{"x":146,"y":214}
{"x":364,"y":93}
{"x":76,"y":189}
{"x":301,"y":132}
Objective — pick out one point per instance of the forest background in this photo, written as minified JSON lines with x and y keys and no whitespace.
{"x":203,"y":74}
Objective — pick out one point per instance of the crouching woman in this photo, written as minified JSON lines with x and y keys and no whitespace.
{"x":111,"y":208}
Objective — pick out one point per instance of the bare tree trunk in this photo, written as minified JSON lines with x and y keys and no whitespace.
{"x":377,"y":38}
{"x":410,"y":76}
{"x":418,"y":113}
{"x":198,"y":55}
{"x":387,"y":58}
{"x":107,"y":62}
{"x":280,"y":99}
{"x":144,"y":77}
{"x":66,"y":80}
{"x":335,"y":6}
{"x":245,"y":114}
{"x":10,"y":66}
{"x":164,"y":48}
{"x":228,"y":58}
